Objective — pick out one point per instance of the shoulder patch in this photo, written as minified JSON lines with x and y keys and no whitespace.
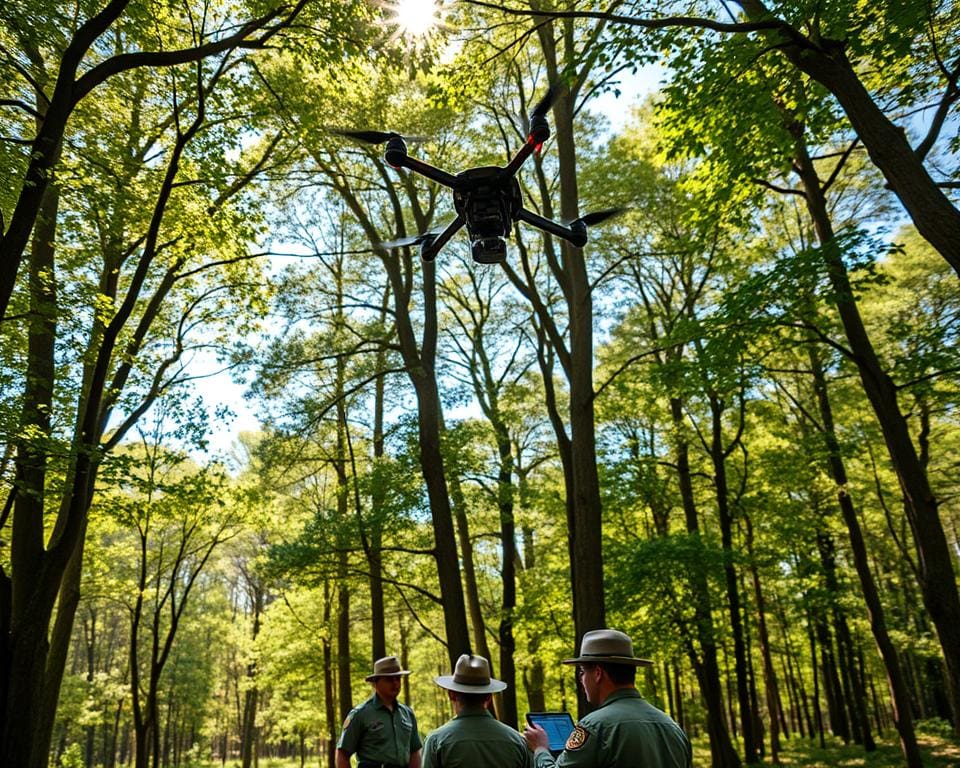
{"x":577,"y":738}
{"x":346,"y":723}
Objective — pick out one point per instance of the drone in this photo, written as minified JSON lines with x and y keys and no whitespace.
{"x":487,"y":199}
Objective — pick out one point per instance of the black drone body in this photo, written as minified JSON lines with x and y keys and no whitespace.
{"x":487,"y":200}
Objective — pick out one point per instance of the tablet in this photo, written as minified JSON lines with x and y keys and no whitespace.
{"x":558,"y":726}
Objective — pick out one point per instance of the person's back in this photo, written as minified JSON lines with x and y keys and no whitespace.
{"x":627,"y":731}
{"x":475,"y":739}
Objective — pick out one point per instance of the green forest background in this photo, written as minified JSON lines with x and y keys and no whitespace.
{"x":728,"y":426}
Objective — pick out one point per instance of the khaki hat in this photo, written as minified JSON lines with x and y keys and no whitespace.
{"x":609,"y":646}
{"x":470,"y":675}
{"x":388,"y":666}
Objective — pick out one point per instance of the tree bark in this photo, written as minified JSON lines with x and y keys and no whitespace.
{"x":419,"y":359}
{"x":480,"y":645}
{"x":248,"y":727}
{"x":420,"y":367}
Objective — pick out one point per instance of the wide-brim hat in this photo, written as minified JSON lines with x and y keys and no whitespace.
{"x":607,"y":646}
{"x":388,"y":666}
{"x":470,"y":675}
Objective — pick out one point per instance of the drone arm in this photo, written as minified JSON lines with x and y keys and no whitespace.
{"x":576,"y":234}
{"x":522,"y":154}
{"x":429,"y":250}
{"x":398,"y":158}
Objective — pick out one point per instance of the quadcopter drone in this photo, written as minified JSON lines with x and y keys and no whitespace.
{"x":487,"y":199}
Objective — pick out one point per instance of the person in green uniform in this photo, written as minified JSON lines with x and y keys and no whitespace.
{"x":474,"y":738}
{"x":624,"y":730}
{"x":382,"y":731}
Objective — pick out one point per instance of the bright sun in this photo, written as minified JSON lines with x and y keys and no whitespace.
{"x":414,"y":18}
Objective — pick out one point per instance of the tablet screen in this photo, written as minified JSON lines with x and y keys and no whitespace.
{"x":558,"y":726}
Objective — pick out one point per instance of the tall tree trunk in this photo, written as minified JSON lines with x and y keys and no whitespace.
{"x":838,"y":667}
{"x":769,"y":672}
{"x":377,"y":500}
{"x":344,"y":675}
{"x":817,"y":714}
{"x":480,"y":645}
{"x":90,"y":638}
{"x":836,"y":710}
{"x":23,"y":660}
{"x":533,"y":676}
{"x":248,"y":727}
{"x":329,"y":705}
{"x":508,"y":560}
{"x":419,"y":361}
{"x":722,"y":752}
{"x":585,"y":541}
{"x":718,"y":456}
{"x":935,"y":573}
{"x":487,"y":388}
{"x":902,"y":714}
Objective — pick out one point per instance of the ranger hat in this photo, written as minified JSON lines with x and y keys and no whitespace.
{"x":607,"y":646}
{"x":388,"y":666}
{"x":470,"y":675}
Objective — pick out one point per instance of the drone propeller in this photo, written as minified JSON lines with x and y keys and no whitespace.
{"x":596,"y":217}
{"x":543,"y":106}
{"x":424,"y":237}
{"x":374,"y":137}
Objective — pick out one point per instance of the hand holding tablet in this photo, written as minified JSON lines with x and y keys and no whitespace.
{"x":558,"y":726}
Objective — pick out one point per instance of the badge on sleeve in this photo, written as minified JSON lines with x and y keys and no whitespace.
{"x":346,"y":723}
{"x":577,"y":738}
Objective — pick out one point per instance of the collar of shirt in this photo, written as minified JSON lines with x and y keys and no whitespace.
{"x":380,"y":704}
{"x":474,"y":712}
{"x":621,"y":693}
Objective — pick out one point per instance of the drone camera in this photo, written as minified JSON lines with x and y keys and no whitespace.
{"x":489,"y":250}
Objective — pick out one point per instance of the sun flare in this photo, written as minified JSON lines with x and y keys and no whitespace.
{"x":415,"y":18}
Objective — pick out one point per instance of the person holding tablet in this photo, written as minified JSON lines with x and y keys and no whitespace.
{"x":474,"y":738}
{"x":624,"y":731}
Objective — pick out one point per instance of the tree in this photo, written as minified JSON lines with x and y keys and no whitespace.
{"x":137,"y":287}
{"x":179,"y":521}
{"x":73,"y":83}
{"x":570,"y":55}
{"x":478,"y":344}
{"x":671,"y":259}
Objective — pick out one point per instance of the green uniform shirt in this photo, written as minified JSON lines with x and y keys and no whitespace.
{"x":380,"y":735}
{"x":624,"y":732}
{"x":476,"y":739}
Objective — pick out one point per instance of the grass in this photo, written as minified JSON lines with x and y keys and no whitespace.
{"x":938,"y":752}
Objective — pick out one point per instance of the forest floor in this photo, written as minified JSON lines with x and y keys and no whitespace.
{"x":939,"y":748}
{"x":939,"y":751}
